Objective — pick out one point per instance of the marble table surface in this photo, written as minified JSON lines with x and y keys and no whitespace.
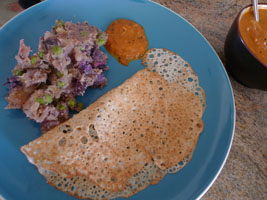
{"x":244,"y":175}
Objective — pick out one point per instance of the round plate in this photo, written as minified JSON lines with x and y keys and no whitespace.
{"x":20,"y":180}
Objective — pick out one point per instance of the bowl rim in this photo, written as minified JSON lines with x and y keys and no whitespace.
{"x":239,"y":33}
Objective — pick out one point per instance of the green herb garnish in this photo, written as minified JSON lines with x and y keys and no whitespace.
{"x":80,"y":105}
{"x":83,"y":33}
{"x":48,"y":98}
{"x":18,"y":72}
{"x":33,"y":60}
{"x":82,"y":48}
{"x":40,"y":100}
{"x":60,"y":23}
{"x":61,"y":107}
{"x":59,"y":74}
{"x":40,"y":54}
{"x":101,"y":39}
{"x":72,"y":103}
{"x":60,"y":84}
{"x":57,"y":50}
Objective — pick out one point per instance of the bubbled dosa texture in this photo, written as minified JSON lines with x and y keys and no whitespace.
{"x":126,"y":140}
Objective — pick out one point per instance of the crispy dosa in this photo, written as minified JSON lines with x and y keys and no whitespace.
{"x":143,"y":119}
{"x":174,"y":69}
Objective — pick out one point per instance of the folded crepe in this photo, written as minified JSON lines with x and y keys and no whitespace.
{"x":129,"y":138}
{"x":175,"y":70}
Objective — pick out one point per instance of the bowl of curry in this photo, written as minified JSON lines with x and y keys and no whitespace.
{"x":246,"y":48}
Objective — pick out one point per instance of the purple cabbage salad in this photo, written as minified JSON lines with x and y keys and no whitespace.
{"x":45,"y":85}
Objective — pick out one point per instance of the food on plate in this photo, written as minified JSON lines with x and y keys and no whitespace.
{"x":174,"y":69}
{"x":82,"y":187}
{"x":254,"y":34}
{"x":44,"y":85}
{"x":128,"y":139}
{"x":127,"y":40}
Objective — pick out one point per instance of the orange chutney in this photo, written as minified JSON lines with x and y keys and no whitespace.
{"x":126,"y":40}
{"x":254,"y":34}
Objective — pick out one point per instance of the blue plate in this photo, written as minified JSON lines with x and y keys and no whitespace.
{"x":20,"y":180}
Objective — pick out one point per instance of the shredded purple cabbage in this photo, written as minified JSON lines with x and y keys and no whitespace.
{"x":79,"y":87}
{"x":100,"y":80}
{"x":85,"y":67}
{"x":66,"y":64}
{"x":99,"y":58}
{"x":13,"y":81}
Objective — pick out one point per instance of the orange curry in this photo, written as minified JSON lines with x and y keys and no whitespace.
{"x":254,"y":34}
{"x":126,"y":41}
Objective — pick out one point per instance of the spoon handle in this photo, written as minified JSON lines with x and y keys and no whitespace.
{"x":255,"y":9}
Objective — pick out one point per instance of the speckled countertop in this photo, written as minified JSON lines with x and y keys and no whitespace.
{"x":244,"y":175}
